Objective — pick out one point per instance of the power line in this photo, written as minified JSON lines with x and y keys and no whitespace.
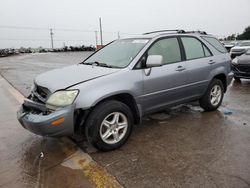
{"x":61,"y":29}
{"x":16,"y":39}
{"x":42,"y":28}
{"x":18,"y":27}
{"x":74,"y":30}
{"x":53,"y":38}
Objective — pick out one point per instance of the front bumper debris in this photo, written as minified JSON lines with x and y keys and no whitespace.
{"x":241,"y":71}
{"x":230,"y":78}
{"x":36,"y":118}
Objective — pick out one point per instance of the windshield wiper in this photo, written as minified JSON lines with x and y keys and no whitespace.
{"x":96,"y":63}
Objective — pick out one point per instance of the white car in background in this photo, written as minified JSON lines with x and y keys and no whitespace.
{"x":239,"y":49}
{"x":229,"y":44}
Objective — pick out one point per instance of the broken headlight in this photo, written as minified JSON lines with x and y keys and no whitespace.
{"x":235,"y":61}
{"x":61,"y":99}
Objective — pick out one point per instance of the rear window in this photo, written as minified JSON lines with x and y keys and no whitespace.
{"x":215,"y":43}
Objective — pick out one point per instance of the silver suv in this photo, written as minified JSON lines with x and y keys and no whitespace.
{"x":104,"y":96}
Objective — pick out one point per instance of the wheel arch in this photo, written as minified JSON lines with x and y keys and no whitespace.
{"x":127,"y":99}
{"x":222,"y":77}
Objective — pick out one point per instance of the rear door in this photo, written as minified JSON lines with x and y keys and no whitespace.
{"x":199,"y":63}
{"x":165,"y":84}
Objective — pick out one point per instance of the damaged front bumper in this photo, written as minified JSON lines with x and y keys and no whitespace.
{"x":36,"y":118}
{"x":241,"y":71}
{"x":230,"y":78}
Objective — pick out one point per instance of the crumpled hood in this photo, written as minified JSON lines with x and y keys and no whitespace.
{"x":71,"y":75}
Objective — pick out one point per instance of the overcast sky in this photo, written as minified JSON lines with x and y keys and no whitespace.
{"x":218,"y":17}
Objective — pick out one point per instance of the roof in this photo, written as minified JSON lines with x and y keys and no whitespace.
{"x":172,"y":32}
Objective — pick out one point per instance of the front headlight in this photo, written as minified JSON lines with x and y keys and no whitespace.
{"x":235,"y":61}
{"x":61,"y":98}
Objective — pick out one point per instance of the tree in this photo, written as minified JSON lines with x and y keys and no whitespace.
{"x":245,"y":35}
{"x":231,"y":37}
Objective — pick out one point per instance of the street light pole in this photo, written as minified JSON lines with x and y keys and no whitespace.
{"x":96,"y":42}
{"x":119,"y":35}
{"x":51,"y":38}
{"x":100,"y":22}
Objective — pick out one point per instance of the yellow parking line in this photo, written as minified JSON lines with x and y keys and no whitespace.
{"x":15,"y":93}
{"x":98,"y":175}
{"x":95,"y":173}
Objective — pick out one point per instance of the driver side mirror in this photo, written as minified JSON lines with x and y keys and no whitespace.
{"x":154,"y":61}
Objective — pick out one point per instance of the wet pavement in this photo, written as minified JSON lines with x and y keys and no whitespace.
{"x":21,"y":162}
{"x":21,"y":69}
{"x":28,"y":160}
{"x":181,"y":147}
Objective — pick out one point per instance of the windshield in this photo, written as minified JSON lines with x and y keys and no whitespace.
{"x":244,"y":44}
{"x":117,"y":54}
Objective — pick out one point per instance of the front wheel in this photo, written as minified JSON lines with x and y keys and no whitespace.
{"x":213,"y":97}
{"x":109,"y":125}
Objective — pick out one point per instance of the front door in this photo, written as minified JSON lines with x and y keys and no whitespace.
{"x":165,"y":85}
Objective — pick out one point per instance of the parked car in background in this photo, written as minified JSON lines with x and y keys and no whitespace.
{"x":104,"y":96}
{"x":229,"y":44}
{"x":241,"y":66}
{"x":240,"y":48}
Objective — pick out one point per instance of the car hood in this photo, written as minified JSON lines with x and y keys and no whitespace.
{"x":70,"y":76}
{"x":244,"y":59}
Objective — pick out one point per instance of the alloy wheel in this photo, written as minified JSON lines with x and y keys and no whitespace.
{"x":113,"y":128}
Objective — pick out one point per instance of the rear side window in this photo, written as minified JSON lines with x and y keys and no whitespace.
{"x":215,"y":43}
{"x":194,"y":49}
{"x":168,"y":48}
{"x":207,"y":53}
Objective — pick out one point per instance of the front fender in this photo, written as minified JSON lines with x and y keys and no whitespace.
{"x":94,"y":91}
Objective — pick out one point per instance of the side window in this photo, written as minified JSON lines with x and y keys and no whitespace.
{"x":168,"y":48}
{"x":216,"y":44}
{"x":194,"y":48}
{"x":207,"y":53}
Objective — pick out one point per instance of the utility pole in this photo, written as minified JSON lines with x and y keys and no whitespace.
{"x":51,"y":38}
{"x":100,"y":22}
{"x":119,"y":35}
{"x":96,"y":42}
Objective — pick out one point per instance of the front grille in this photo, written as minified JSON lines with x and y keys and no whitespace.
{"x":244,"y":68}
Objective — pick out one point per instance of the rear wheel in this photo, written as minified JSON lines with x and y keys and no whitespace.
{"x":213,"y":97}
{"x":109,"y":125}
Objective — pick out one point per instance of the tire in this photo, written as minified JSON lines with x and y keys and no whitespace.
{"x":237,"y":79}
{"x":212,"y":99}
{"x":109,"y":125}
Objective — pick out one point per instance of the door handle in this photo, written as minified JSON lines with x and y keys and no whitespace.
{"x":211,"y":62}
{"x":180,"y":68}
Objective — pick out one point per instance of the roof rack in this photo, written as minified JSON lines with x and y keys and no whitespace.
{"x":200,"y":32}
{"x":177,"y":31}
{"x":168,"y":30}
